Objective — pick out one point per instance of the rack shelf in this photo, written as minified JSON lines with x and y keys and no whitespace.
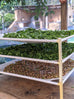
{"x":30,"y":59}
{"x":68,"y":57}
{"x":67,"y":76}
{"x":30,"y":40}
{"x":37,"y":40}
{"x":61,"y":79}
{"x":48,"y":81}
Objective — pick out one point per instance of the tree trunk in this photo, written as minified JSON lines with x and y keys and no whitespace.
{"x":3,"y":23}
{"x":64,"y":16}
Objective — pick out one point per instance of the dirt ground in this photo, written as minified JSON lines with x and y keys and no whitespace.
{"x":6,"y":96}
{"x":17,"y":88}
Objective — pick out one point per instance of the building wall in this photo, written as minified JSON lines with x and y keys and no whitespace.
{"x":55,"y":19}
{"x":23,"y":18}
{"x":70,"y":16}
{"x":56,"y":16}
{"x":22,"y":15}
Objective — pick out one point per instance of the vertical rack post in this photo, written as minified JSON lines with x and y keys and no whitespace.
{"x":60,"y":67}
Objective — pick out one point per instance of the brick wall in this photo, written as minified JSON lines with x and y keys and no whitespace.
{"x":23,"y":17}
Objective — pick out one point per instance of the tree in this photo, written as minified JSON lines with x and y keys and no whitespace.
{"x":41,"y":5}
{"x":64,"y":15}
{"x":2,"y":18}
{"x":8,"y":5}
{"x":4,"y":9}
{"x":41,"y":8}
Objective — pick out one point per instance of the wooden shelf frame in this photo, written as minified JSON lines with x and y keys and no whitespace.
{"x":30,"y":40}
{"x":30,"y":59}
{"x":37,"y":40}
{"x":49,"y":81}
{"x":62,"y":79}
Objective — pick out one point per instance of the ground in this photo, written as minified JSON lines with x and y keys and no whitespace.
{"x":17,"y":88}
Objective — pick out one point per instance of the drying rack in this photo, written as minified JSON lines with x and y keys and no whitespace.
{"x":62,"y":79}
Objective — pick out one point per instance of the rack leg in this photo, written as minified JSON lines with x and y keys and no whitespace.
{"x":60,"y":68}
{"x":61,"y":91}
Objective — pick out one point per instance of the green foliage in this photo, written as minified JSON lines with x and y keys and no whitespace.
{"x":41,"y":7}
{"x":8,"y":19}
{"x":7,"y":1}
{"x":47,"y":51}
{"x":6,"y":6}
{"x":38,"y":34}
{"x":2,"y":4}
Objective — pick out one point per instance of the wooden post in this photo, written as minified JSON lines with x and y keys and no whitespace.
{"x":60,"y":68}
{"x":64,"y":16}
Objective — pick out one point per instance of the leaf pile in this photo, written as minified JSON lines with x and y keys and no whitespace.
{"x":37,"y":69}
{"x":46,"y":51}
{"x":38,"y":34}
